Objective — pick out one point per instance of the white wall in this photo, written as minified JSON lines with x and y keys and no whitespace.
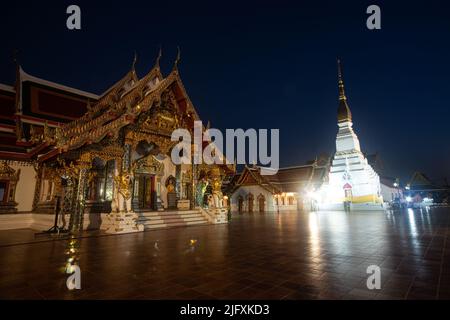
{"x":25,"y":186}
{"x":389,"y":193}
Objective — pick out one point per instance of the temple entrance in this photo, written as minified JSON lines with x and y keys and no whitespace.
{"x":348,"y":192}
{"x":240,"y":204}
{"x":146,"y":192}
{"x":250,"y":203}
{"x":261,"y":202}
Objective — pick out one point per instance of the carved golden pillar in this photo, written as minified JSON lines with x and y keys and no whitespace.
{"x":115,"y":206}
{"x":126,"y":168}
{"x":76,"y":218}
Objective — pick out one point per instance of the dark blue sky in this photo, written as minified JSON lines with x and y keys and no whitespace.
{"x":265,"y":64}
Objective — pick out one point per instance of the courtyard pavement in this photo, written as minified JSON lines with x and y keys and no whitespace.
{"x":317,"y":255}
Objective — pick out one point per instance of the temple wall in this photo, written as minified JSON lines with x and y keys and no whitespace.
{"x":25,"y":186}
{"x":244,"y":191}
{"x":389,"y":193}
{"x":296,"y":203}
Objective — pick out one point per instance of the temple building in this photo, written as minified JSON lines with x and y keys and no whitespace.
{"x":288,"y":190}
{"x":422,"y":191}
{"x":102,"y":161}
{"x":352,"y":182}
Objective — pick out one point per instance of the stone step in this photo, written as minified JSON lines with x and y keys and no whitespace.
{"x":168,"y":219}
{"x":158,"y":213}
{"x":170,"y":225}
{"x":171,"y":216}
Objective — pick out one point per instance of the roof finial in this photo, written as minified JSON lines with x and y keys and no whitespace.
{"x":340,"y":81}
{"x":177,"y":60}
{"x":158,"y":58}
{"x":133,"y":65}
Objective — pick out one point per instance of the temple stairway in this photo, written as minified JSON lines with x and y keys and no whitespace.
{"x":168,"y":219}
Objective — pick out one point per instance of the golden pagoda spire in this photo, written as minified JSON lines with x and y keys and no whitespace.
{"x":344,"y":113}
{"x":340,"y":81}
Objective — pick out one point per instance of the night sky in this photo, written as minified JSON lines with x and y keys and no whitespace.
{"x":264,"y":65}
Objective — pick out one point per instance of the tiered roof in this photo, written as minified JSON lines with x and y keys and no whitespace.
{"x":291,"y":179}
{"x":77,"y":117}
{"x":35,"y":103}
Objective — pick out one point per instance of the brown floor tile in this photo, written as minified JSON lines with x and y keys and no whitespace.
{"x":265,"y":256}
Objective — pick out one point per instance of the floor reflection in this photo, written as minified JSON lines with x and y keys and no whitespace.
{"x":412,"y":223}
{"x":314,"y":233}
{"x":291,"y":255}
{"x":72,"y":255}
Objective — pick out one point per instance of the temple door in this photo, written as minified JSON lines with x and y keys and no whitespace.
{"x":261,"y":201}
{"x":250,"y":203}
{"x":348,"y":194}
{"x":3,"y":191}
{"x":145,"y":192}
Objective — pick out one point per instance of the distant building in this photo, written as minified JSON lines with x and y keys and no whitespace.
{"x":287,"y":190}
{"x":421,"y":189}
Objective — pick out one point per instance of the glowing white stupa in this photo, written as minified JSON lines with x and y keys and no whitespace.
{"x":351,"y":179}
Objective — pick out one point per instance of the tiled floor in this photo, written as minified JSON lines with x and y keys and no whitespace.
{"x":319,"y":255}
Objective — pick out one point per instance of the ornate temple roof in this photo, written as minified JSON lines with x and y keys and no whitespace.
{"x":40,"y":119}
{"x":121,"y":106}
{"x":290,"y":179}
{"x":251,"y":176}
{"x":34,"y":106}
{"x":343,"y":112}
{"x":300,"y":178}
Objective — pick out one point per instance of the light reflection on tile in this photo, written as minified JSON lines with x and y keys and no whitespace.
{"x":317,"y":255}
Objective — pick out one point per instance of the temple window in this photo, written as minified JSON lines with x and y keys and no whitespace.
{"x":290,"y":200}
{"x":3,"y":186}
